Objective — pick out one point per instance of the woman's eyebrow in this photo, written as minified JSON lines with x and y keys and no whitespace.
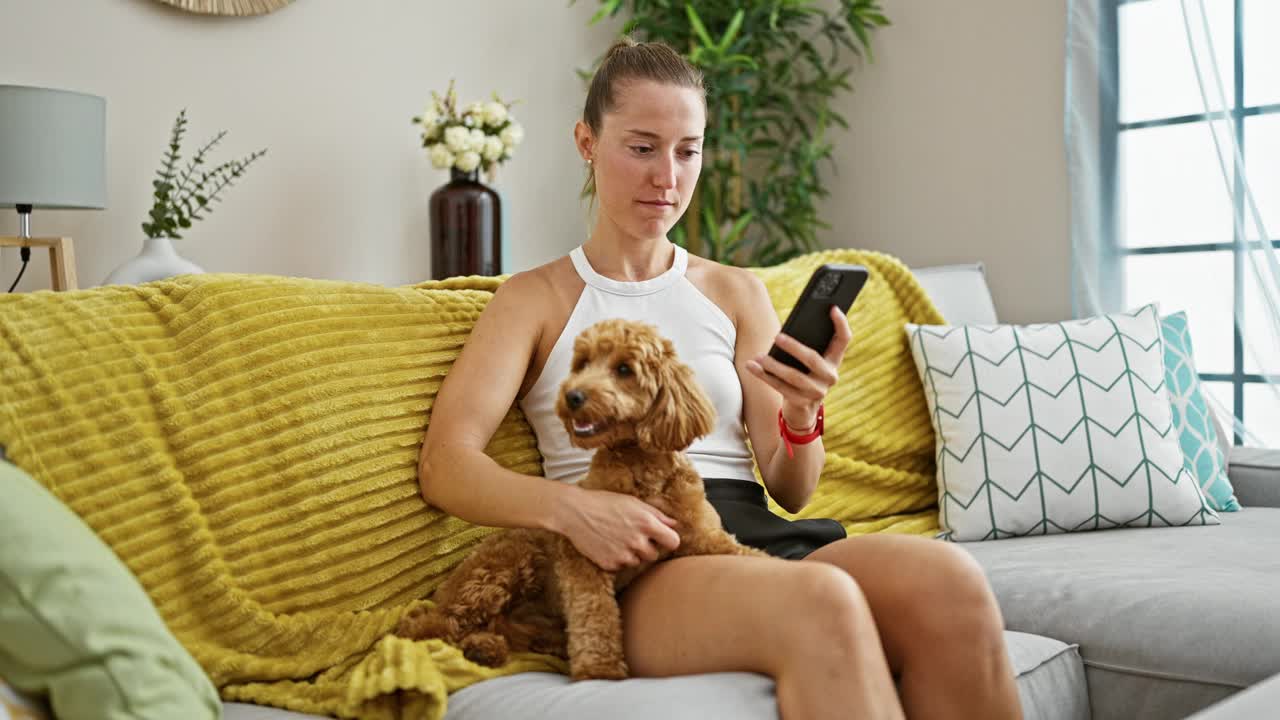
{"x":655,"y":136}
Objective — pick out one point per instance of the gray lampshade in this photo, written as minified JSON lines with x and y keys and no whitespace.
{"x":52,"y":148}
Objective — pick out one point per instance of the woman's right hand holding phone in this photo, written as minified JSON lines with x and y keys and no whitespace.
{"x":615,"y":530}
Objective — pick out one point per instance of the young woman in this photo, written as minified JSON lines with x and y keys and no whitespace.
{"x":836,"y":628}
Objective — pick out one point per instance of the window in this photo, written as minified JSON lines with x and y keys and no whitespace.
{"x":1173,"y":236}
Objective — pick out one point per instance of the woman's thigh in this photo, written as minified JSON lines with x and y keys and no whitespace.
{"x":912,"y":584}
{"x":722,"y":613}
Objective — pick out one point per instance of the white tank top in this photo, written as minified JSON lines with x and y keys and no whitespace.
{"x":704,"y":340}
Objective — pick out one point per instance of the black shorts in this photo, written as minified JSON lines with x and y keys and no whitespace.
{"x":745,"y":514}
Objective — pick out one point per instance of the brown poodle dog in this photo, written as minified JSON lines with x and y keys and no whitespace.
{"x":629,"y":398}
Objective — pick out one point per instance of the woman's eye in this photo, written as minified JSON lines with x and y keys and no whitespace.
{"x":641,"y":149}
{"x":691,"y":153}
{"x":624,"y":370}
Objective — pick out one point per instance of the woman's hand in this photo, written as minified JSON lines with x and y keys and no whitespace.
{"x":801,"y":393}
{"x":615,"y":530}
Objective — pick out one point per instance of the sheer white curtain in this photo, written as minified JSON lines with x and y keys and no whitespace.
{"x":1172,"y":131}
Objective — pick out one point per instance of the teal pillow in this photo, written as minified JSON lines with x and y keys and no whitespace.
{"x":76,"y":625}
{"x":1191,"y":416}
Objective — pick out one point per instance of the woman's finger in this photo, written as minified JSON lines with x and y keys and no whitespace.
{"x":840,"y":342}
{"x":798,"y":350}
{"x":796,"y":383}
{"x":665,"y":537}
{"x":771,"y":381}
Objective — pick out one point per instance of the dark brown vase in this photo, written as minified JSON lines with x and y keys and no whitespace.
{"x":466,"y":228}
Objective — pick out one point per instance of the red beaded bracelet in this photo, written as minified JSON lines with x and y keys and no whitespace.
{"x":790,"y":437}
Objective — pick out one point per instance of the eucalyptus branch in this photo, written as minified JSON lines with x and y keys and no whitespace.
{"x":197,"y":161}
{"x":176,"y":205}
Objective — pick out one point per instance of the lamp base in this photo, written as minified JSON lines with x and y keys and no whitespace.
{"x":62,"y":258}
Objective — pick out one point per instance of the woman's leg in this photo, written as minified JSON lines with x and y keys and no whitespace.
{"x":942,"y":630}
{"x":805,"y":624}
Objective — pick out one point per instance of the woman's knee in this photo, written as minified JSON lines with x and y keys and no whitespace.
{"x":830,"y":609}
{"x":972,"y":611}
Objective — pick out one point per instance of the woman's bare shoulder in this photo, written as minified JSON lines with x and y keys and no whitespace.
{"x":536,"y":285}
{"x":735,"y":290}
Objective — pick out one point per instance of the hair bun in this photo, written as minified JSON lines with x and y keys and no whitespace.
{"x":624,"y":41}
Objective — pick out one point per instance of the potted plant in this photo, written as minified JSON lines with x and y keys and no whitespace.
{"x":179,"y":198}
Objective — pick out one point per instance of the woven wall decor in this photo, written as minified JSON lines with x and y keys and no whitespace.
{"x":228,"y":7}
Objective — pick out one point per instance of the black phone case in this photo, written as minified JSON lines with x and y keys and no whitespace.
{"x":810,"y":319}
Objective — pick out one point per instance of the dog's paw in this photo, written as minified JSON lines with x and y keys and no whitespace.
{"x":412,"y":624}
{"x":483,"y":648}
{"x":595,"y":667}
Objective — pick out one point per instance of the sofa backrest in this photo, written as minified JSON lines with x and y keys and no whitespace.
{"x":960,"y":292}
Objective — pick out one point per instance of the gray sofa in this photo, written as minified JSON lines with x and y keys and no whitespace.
{"x":1138,"y":624}
{"x":1143,"y":624}
{"x":1118,"y":624}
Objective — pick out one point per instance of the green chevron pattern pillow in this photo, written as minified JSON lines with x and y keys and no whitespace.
{"x":1054,"y":427}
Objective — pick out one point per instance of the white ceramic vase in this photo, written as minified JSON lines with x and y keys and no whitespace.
{"x":158,"y":260}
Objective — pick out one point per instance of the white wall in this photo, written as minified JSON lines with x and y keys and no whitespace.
{"x":329,"y":87}
{"x":955,"y":149}
{"x":954,"y":152}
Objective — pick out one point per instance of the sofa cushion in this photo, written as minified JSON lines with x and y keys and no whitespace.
{"x":1168,"y":620}
{"x":1050,"y":683}
{"x":75,"y":625}
{"x":1255,"y":474}
{"x":1051,"y":686}
{"x":1259,"y":701}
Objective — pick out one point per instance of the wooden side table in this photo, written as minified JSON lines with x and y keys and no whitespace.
{"x":62,"y":257}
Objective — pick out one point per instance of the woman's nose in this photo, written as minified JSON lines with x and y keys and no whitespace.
{"x":664,"y":173}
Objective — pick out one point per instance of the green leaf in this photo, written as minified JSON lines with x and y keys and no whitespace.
{"x":607,"y":9}
{"x":698,"y":27}
{"x":734,"y":26}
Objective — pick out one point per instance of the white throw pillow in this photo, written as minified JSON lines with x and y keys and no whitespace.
{"x":1054,"y":427}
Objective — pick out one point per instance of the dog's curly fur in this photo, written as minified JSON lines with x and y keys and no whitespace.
{"x":631,"y":399}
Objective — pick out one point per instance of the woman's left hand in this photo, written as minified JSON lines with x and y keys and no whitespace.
{"x":803,"y":393}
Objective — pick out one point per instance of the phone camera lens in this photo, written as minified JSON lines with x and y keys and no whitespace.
{"x":827,"y":284}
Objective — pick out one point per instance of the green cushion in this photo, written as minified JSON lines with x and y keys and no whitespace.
{"x":75,"y":624}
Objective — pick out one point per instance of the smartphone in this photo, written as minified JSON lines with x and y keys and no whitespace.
{"x":810,"y":319}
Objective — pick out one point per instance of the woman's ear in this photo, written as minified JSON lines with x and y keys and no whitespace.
{"x":584,"y":140}
{"x":681,"y":412}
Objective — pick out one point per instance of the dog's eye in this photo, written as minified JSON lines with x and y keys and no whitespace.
{"x":624,"y":370}
{"x":579,"y":364}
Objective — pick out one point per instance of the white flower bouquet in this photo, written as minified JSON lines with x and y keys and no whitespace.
{"x":480,"y":137}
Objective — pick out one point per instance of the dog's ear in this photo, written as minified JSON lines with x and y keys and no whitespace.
{"x":681,"y":412}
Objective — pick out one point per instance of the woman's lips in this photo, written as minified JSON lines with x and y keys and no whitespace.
{"x":656,"y":203}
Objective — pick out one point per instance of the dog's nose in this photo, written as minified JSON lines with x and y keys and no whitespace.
{"x":575,"y":399}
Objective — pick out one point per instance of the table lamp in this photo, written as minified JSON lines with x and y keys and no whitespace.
{"x":52,"y":155}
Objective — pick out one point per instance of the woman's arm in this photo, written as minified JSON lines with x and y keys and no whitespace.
{"x":453,"y":470}
{"x":769,"y":386}
{"x":455,"y":474}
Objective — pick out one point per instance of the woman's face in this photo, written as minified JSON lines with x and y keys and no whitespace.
{"x":647,"y":157}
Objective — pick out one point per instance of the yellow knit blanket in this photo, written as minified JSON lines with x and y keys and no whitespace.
{"x":247,"y":445}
